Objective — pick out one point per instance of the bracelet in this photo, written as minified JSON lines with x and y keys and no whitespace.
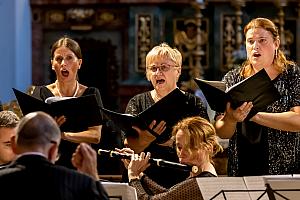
{"x":134,"y":179}
{"x":142,"y":177}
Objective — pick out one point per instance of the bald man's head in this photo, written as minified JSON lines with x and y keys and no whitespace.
{"x":37,"y":129}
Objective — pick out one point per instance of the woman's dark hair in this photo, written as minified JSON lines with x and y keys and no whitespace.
{"x":69,"y":43}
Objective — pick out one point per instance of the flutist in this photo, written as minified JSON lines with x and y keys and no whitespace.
{"x":196,"y":144}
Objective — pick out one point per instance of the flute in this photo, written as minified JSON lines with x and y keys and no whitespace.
{"x":157,"y":162}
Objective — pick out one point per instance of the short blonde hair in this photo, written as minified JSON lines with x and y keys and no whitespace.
{"x":163,"y":50}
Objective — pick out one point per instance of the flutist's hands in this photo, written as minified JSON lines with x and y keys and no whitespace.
{"x":85,"y":160}
{"x":125,"y":151}
{"x":137,"y":165}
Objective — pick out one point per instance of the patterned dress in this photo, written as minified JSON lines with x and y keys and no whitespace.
{"x":164,"y":176}
{"x":274,"y":151}
{"x":186,"y":190}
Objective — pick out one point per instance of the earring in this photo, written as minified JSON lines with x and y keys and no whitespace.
{"x":276,"y":53}
{"x":195,"y":169}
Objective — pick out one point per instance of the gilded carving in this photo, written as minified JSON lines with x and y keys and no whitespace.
{"x":143,"y":40}
{"x":106,"y":17}
{"x":80,"y":14}
{"x":186,"y":41}
{"x":229,"y":41}
{"x":56,"y":17}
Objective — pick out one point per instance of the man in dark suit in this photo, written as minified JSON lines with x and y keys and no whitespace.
{"x":33,"y":175}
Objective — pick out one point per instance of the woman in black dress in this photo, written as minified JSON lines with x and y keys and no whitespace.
{"x":66,"y":60}
{"x":163,"y":68}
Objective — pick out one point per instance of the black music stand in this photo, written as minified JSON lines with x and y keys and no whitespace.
{"x":269,"y":191}
{"x":223,"y":192}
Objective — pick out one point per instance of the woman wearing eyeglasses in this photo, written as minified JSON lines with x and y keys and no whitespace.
{"x":66,"y":60}
{"x":163,"y":68}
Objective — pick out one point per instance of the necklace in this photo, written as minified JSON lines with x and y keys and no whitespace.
{"x":59,"y":93}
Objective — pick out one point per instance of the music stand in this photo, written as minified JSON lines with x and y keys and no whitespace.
{"x":223,"y":192}
{"x":269,"y":191}
{"x":284,"y":187}
{"x":119,"y":191}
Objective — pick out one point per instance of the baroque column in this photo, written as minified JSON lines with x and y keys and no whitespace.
{"x":198,"y":52}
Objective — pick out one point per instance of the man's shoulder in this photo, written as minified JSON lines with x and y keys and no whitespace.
{"x":42,"y":171}
{"x":10,"y":173}
{"x":4,"y":171}
{"x":68,"y":171}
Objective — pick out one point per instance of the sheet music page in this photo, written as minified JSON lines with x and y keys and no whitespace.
{"x":209,"y":187}
{"x":119,"y":191}
{"x":50,"y":100}
{"x":287,"y":182}
{"x":256,"y":183}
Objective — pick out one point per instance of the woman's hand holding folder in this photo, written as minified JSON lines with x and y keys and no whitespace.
{"x":60,"y":120}
{"x":239,"y":114}
{"x":147,"y":136}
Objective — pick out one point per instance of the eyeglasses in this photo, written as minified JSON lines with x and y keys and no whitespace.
{"x":162,"y":68}
{"x":67,"y":59}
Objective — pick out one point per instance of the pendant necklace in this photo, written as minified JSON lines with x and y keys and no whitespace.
{"x":75,"y":93}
